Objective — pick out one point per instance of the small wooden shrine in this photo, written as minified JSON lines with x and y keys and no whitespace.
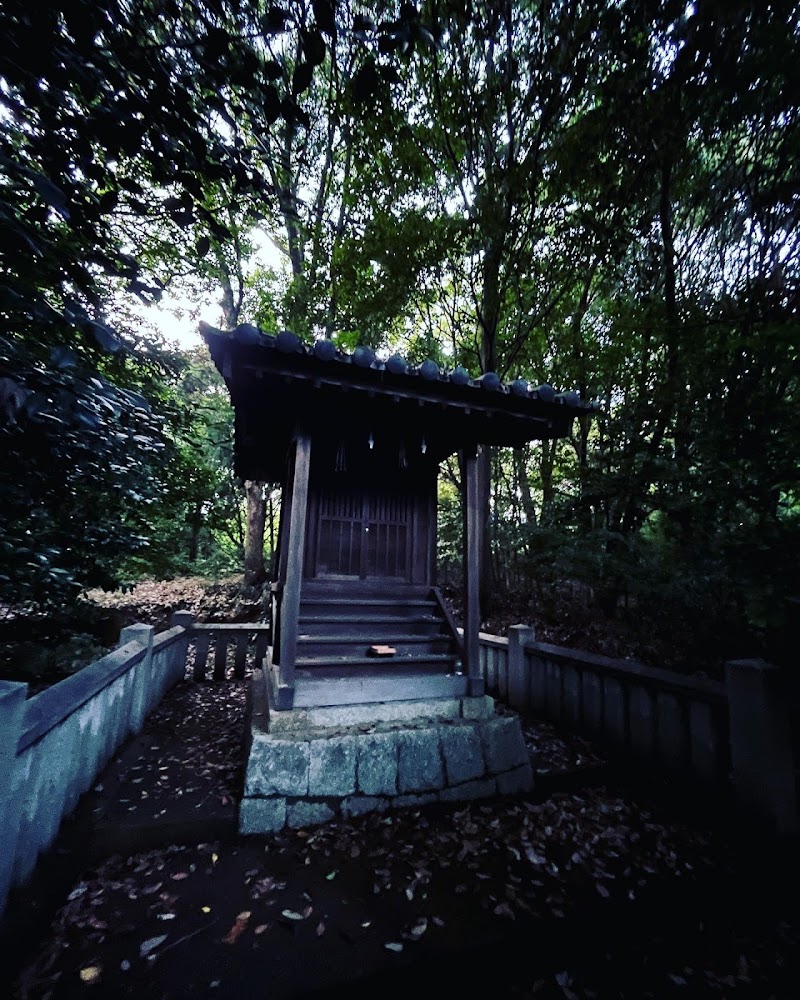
{"x":355,"y":444}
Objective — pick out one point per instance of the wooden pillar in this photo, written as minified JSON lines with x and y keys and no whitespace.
{"x":295,"y":538}
{"x":283,"y":527}
{"x":472,"y":610}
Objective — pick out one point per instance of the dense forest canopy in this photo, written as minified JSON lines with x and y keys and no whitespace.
{"x":600,"y":194}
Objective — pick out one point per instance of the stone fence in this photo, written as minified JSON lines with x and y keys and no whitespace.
{"x":737,"y":734}
{"x":244,"y":643}
{"x":734,"y":738}
{"x":53,"y":745}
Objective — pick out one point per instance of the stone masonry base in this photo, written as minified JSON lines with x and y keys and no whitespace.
{"x":314,"y":765}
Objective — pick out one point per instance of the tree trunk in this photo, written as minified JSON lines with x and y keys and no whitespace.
{"x":546,"y":465}
{"x":255,"y":572}
{"x":524,"y":486}
{"x":195,"y":520}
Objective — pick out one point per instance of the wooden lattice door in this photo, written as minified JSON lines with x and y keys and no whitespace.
{"x":364,"y":536}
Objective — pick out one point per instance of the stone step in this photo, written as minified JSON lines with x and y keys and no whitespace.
{"x":361,"y":589}
{"x":371,"y":629}
{"x":371,"y":614}
{"x":355,"y":644}
{"x":362,"y":609}
{"x":377,"y":602}
{"x":440,"y":660}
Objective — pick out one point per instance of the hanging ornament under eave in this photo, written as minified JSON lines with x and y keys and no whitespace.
{"x":371,"y":441}
{"x":402,"y":458}
{"x":341,"y":458}
{"x":424,"y":446}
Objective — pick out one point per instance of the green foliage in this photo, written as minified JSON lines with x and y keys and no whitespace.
{"x":77,"y":474}
{"x":196,"y":525}
{"x":596,"y":195}
{"x":450,"y":532}
{"x":128,"y":158}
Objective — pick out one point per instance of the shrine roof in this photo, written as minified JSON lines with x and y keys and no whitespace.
{"x":332,"y":393}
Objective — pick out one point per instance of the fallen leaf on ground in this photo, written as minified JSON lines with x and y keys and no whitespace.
{"x":418,"y":929}
{"x":393,"y":946}
{"x":90,"y":974}
{"x":238,"y":928}
{"x":147,"y":946}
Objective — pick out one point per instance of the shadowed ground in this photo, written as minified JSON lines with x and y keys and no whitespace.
{"x":595,"y":891}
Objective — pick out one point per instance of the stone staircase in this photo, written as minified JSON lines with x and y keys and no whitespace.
{"x":339,"y":622}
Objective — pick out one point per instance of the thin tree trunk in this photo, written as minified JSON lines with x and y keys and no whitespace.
{"x":195,"y":525}
{"x":255,"y":572}
{"x":524,"y":485}
{"x":546,"y":464}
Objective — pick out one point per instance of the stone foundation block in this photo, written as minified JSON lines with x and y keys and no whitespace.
{"x":453,"y":750}
{"x":358,"y":805}
{"x":503,"y":744}
{"x":262,"y":815}
{"x":470,"y":790}
{"x":332,"y":766}
{"x":478,"y":708}
{"x":305,"y":813}
{"x":420,"y":766}
{"x":277,"y":767}
{"x":517,"y":781}
{"x":377,"y":763}
{"x":463,"y":753}
{"x":409,"y":801}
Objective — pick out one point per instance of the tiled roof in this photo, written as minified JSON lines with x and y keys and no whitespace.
{"x":423,"y":377}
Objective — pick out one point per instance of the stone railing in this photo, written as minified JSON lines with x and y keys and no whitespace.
{"x":240,"y":646}
{"x":734,"y":737}
{"x":53,"y":745}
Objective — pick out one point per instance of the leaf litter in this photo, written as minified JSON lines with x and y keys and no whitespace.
{"x":426,"y":870}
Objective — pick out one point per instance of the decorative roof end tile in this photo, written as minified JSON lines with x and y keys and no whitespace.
{"x":364,"y":357}
{"x":288,"y":342}
{"x":325,"y":350}
{"x":397,"y":365}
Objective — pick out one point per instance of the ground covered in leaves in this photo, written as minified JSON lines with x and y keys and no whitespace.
{"x":154,"y":601}
{"x":596,"y":892}
{"x":41,"y":649}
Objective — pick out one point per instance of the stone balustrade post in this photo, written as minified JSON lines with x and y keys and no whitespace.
{"x":143,"y":679}
{"x":518,"y":673}
{"x":12,"y":713}
{"x":762,"y":754}
{"x":184,"y":620}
